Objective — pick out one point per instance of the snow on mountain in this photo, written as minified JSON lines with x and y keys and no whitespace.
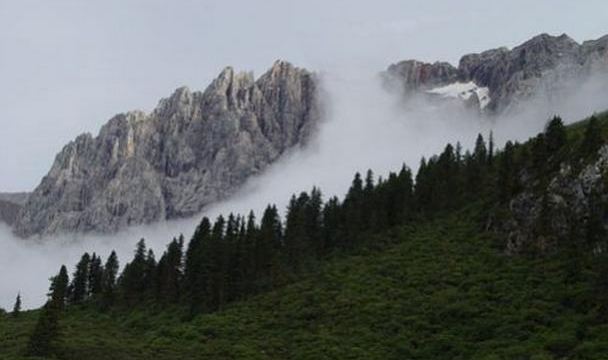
{"x":463,"y":91}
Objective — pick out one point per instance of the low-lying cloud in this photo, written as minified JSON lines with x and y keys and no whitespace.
{"x":364,"y":128}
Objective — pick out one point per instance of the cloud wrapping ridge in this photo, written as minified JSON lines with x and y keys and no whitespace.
{"x":364,"y":128}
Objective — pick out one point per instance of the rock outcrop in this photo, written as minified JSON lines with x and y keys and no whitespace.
{"x":10,"y":206}
{"x":544,"y":64}
{"x":564,"y":205}
{"x":194,"y":149}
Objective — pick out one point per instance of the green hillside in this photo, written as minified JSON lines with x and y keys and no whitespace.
{"x":425,"y":274}
{"x":438,"y":291}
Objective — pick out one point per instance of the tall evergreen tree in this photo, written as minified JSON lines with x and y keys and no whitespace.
{"x":170,"y":271}
{"x":197,"y":267}
{"x":95,"y":276}
{"x":133,"y":278}
{"x":17,"y":306}
{"x":593,"y":139}
{"x":59,"y":289}
{"x":108,"y":282}
{"x":79,"y":288}
{"x":555,"y":134}
{"x":43,"y":340}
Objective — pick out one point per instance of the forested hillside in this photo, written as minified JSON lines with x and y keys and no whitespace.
{"x":489,"y":254}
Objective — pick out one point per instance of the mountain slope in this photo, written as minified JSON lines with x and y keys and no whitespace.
{"x":193,"y":149}
{"x":500,"y":79}
{"x":437,"y":291}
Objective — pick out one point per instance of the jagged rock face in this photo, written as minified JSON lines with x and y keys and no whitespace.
{"x":195,"y":148}
{"x":10,"y":205}
{"x":511,"y":76}
{"x":568,"y":200}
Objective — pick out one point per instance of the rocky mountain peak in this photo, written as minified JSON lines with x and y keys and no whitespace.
{"x":195,"y":148}
{"x":507,"y":75}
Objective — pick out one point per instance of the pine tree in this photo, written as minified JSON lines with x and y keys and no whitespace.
{"x":170,"y":271}
{"x":268,"y":245}
{"x":95,"y":276}
{"x":79,"y":288}
{"x":108,"y":282}
{"x":593,"y":139}
{"x":132,"y":281}
{"x":480,"y":153}
{"x":17,"y":307}
{"x":197,"y":267}
{"x":59,"y":289}
{"x":555,"y":133}
{"x":217,"y":266}
{"x":507,"y":177}
{"x":491,"y":149}
{"x":43,"y":341}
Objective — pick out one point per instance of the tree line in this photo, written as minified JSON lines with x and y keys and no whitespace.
{"x":236,"y":256}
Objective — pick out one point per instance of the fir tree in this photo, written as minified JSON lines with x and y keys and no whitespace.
{"x":95,"y":276}
{"x":132,"y":280}
{"x":555,"y":133}
{"x":17,"y":306}
{"x":79,"y":288}
{"x":43,"y":340}
{"x":108,"y":282}
{"x":592,"y":140}
{"x":197,"y":267}
{"x":59,"y":289}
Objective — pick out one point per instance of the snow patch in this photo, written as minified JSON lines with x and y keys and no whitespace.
{"x":463,"y":91}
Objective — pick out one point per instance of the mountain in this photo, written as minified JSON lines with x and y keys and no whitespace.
{"x":497,"y":80}
{"x":194,"y":149}
{"x":10,"y":205}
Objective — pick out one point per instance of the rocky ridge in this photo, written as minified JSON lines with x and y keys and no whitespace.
{"x":544,"y":62}
{"x":195,"y":148}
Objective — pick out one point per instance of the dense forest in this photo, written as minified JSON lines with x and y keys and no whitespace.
{"x":235,"y":259}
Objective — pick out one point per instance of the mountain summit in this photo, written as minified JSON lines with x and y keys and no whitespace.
{"x":195,"y":148}
{"x":497,"y":80}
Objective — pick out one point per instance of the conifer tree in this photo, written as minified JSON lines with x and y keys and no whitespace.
{"x":491,"y":149}
{"x":197,"y":267}
{"x":43,"y":341}
{"x":506,"y":173}
{"x":170,"y":271}
{"x":132,"y":280}
{"x":95,"y":276}
{"x":555,"y":134}
{"x":79,"y":288}
{"x":108,"y":282}
{"x":59,"y":289}
{"x":592,"y":140}
{"x":17,"y":306}
{"x":268,"y":245}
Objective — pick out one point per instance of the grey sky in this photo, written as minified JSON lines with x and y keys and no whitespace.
{"x":67,"y":66}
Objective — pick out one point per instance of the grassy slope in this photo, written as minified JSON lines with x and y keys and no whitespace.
{"x":439,"y":291}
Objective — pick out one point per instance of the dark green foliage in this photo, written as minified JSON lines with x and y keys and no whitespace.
{"x":108,"y":281}
{"x":169,"y":272}
{"x":593,"y":138}
{"x":95,"y":277}
{"x":507,"y":174}
{"x":555,"y":133}
{"x":46,"y":332}
{"x":17,"y":306}
{"x":234,"y":259}
{"x":132,"y":282}
{"x":79,"y":288}
{"x":43,"y":340}
{"x":59,"y":289}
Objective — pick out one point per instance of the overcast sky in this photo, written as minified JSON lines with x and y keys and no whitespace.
{"x":67,"y":66}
